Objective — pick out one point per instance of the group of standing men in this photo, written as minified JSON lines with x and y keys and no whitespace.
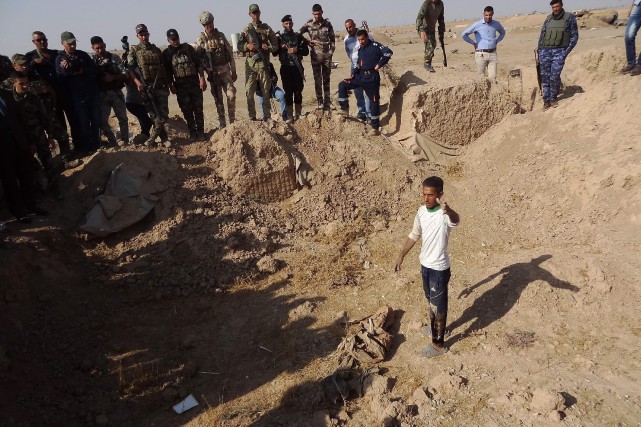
{"x":559,"y":35}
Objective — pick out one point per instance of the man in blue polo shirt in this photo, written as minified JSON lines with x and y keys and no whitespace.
{"x":485,"y":33}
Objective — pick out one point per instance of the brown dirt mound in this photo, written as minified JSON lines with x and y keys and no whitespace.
{"x":254,"y":161}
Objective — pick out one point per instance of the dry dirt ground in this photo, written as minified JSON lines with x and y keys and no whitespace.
{"x":237,"y":287}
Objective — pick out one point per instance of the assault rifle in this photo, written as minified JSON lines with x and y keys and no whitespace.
{"x":294,"y":58}
{"x":440,"y":38}
{"x":261,"y":53}
{"x":148,"y":90}
{"x":538,"y":68}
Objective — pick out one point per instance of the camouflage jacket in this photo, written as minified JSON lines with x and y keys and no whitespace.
{"x":110,"y":64}
{"x":215,"y":50}
{"x":429,"y":14}
{"x":265,"y":35}
{"x":37,"y":86}
{"x":321,"y":36}
{"x":34,"y":116}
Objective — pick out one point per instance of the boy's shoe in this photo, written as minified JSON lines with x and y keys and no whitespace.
{"x":429,"y":68}
{"x":374,"y":132}
{"x":362,"y":117}
{"x":546,"y":105}
{"x":627,"y":69}
{"x":319,"y":105}
{"x":554,"y":103}
{"x":636,"y":70}
{"x":343,"y":113}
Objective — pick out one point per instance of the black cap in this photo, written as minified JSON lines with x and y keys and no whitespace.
{"x":286,"y":18}
{"x":96,"y":40}
{"x":141,"y":28}
{"x":317,"y":8}
{"x":172,"y":34}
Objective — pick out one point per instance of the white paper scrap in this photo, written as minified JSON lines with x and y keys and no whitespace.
{"x":185,"y":405}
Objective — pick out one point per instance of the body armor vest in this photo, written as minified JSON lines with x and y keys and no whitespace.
{"x":215,"y":46}
{"x":556,"y":33}
{"x":182,"y":63}
{"x":150,"y":63}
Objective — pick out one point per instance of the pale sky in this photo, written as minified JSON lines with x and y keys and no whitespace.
{"x":111,"y":19}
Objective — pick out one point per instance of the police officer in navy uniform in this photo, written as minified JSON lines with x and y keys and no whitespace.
{"x":559,"y":35}
{"x":371,"y":57}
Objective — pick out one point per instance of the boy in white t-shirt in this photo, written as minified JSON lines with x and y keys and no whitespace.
{"x":433,"y":223}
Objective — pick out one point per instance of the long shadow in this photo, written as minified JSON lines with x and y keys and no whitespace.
{"x":395,"y":105}
{"x":499,"y":300}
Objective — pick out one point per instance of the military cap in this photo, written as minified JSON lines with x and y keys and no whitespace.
{"x":253,"y":8}
{"x":317,"y":8}
{"x":67,"y":37}
{"x":205,"y":17}
{"x":95,"y":40}
{"x":19,"y":59}
{"x":141,"y":28}
{"x":172,"y":34}
{"x":286,"y":18}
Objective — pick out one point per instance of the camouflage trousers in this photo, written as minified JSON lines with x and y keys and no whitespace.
{"x":551,"y":61}
{"x":161,"y":99}
{"x":254,"y":76}
{"x":59,"y":129}
{"x":190,"y":101}
{"x":114,"y":99}
{"x":322,"y":68}
{"x":430,"y":45}
{"x":224,"y":83}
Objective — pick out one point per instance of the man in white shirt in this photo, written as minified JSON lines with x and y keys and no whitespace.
{"x":433,"y":223}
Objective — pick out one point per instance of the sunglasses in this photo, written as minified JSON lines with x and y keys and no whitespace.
{"x":40,"y":40}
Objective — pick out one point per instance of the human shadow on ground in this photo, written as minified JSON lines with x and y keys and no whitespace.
{"x":394,"y":112}
{"x":570,"y":91}
{"x":499,"y":300}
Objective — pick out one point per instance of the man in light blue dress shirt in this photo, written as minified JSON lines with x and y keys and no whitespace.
{"x":485,"y":33}
{"x":633,"y":65}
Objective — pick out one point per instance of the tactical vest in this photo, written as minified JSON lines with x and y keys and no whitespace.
{"x":150,"y":63}
{"x":182,"y":63}
{"x":216,"y":50}
{"x":556,"y":33}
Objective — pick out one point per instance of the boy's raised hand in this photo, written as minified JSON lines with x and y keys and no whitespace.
{"x":444,"y":206}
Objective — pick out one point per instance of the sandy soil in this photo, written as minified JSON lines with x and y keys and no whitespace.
{"x":236,"y":289}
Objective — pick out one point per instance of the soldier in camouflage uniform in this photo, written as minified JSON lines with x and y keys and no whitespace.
{"x":38,"y":124}
{"x":111,"y":95}
{"x":323,"y":43}
{"x":431,"y":12}
{"x":218,"y":59}
{"x":257,"y":60}
{"x":145,"y":63}
{"x":187,"y":80}
{"x":42,"y":61}
{"x":291,"y":49}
